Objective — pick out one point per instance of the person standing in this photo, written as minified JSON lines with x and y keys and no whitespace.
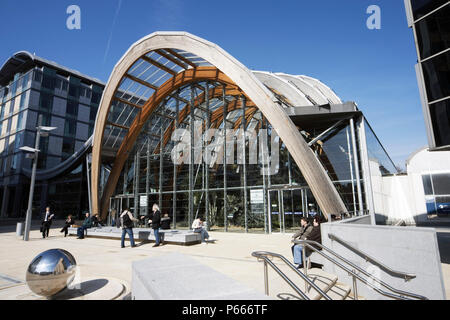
{"x":156,"y":223}
{"x":69,"y":221}
{"x":46,"y":222}
{"x":126,"y":221}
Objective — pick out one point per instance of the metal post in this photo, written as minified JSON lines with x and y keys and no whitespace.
{"x":355,"y":160}
{"x":208,"y":125}
{"x":161,"y":168}
{"x":191,"y":161}
{"x":26,"y":234}
{"x":305,"y":267}
{"x":174,"y":200}
{"x":266,"y":278}
{"x":225,"y":202}
{"x":244,"y":161}
{"x":351,"y":171}
{"x":147,"y":176}
{"x":355,"y":287}
{"x":136,"y":183}
{"x":89,"y":183}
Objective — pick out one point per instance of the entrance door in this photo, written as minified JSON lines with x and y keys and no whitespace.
{"x":274,"y":211}
{"x":293,"y":209}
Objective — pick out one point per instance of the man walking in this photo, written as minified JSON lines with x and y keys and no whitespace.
{"x":46,"y":223}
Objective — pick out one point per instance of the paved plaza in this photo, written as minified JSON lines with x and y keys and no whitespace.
{"x":103,"y":258}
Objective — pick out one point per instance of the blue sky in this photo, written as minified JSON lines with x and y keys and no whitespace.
{"x":325,"y":39}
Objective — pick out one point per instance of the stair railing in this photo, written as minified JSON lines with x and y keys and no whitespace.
{"x":394,"y":273}
{"x":264,"y":256}
{"x":400,"y":295}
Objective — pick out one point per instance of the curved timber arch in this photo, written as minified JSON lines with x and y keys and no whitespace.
{"x":204,"y":61}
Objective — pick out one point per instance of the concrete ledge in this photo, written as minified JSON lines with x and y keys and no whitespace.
{"x":179,"y":237}
{"x":179,"y":277}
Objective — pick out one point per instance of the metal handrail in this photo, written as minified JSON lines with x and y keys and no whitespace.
{"x":401,"y":295}
{"x":264,"y":256}
{"x":399,"y":274}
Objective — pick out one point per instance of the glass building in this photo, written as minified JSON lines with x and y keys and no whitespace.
{"x":30,"y":87}
{"x":430,"y":22}
{"x":183,"y":124}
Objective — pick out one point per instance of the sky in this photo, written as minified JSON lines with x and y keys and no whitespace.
{"x":325,"y":39}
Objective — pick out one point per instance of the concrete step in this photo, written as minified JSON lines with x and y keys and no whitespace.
{"x":339,"y":291}
{"x":325,"y":281}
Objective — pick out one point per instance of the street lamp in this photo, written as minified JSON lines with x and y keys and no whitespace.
{"x":33,"y":153}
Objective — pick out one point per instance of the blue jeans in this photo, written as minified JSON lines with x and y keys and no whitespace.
{"x":203,"y":233}
{"x":130,"y":234}
{"x":156,"y":231}
{"x":297,"y":250}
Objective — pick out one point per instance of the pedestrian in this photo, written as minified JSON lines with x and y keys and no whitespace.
{"x":303,"y":234}
{"x":87,"y":223}
{"x":69,"y":221}
{"x":156,"y":224}
{"x":46,"y":222}
{"x":165,"y":225}
{"x":126,"y":221}
{"x":198,"y":227}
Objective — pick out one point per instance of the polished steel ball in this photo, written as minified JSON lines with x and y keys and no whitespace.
{"x":51,"y":272}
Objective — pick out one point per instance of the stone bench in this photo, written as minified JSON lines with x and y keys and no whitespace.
{"x":177,"y":276}
{"x":179,"y":237}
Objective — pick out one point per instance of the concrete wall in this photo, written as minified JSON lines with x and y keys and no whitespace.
{"x":406,"y":249}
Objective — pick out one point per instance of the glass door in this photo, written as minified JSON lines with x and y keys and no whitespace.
{"x":274,"y":211}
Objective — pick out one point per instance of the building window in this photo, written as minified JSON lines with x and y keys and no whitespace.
{"x":422,"y":7}
{"x":48,"y":82}
{"x":20,"y":121}
{"x":23,"y":98}
{"x":68,"y":148}
{"x":440,"y":116}
{"x":46,"y":119}
{"x":92,"y":114}
{"x":96,"y":96}
{"x":37,"y":75}
{"x":46,"y":102}
{"x":72,"y":109}
{"x":437,"y":193}
{"x":74,"y":91}
{"x":70,"y":128}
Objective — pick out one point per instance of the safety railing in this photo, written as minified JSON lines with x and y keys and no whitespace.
{"x":397,"y":294}
{"x":382,"y":266}
{"x":265,"y":257}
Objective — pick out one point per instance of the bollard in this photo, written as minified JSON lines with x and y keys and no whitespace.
{"x":19,"y":229}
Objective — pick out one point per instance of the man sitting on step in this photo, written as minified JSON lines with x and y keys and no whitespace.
{"x":297,"y":249}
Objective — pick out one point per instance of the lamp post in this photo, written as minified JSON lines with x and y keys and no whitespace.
{"x":44,"y":132}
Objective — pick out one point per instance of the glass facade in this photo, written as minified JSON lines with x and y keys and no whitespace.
{"x":207,"y":175}
{"x":431,"y":25}
{"x":40,"y":89}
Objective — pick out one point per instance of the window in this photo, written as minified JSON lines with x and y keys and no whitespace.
{"x":70,"y":128}
{"x":65,"y":85}
{"x":92,"y":114}
{"x":48,"y":82}
{"x":96,"y":96}
{"x":37,"y":75}
{"x":46,"y":102}
{"x":46,"y":119}
{"x":20,"y":121}
{"x":23,"y":98}
{"x":74,"y":90}
{"x":436,"y":73}
{"x":72,"y":109}
{"x":58,"y":83}
{"x":68,"y":148}
{"x":26,"y":78}
{"x":423,"y":7}
{"x":440,"y":117}
{"x":437,"y":193}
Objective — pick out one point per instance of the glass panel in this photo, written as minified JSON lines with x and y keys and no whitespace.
{"x":441,"y":183}
{"x":423,"y":7}
{"x":433,"y":33}
{"x":440,"y":118}
{"x":436,"y":73}
{"x":427,"y":187}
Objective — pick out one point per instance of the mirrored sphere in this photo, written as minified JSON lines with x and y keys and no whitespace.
{"x":51,"y":272}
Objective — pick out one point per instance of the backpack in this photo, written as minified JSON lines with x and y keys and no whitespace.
{"x":126,"y":221}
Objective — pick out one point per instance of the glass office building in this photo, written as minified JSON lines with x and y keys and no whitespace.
{"x":30,"y":87}
{"x":181,"y":127}
{"x":430,"y":22}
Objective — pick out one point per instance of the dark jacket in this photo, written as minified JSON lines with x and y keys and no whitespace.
{"x":87,"y":223}
{"x":49,"y":218}
{"x":69,"y":222}
{"x":303,"y":232}
{"x":165,"y":223}
{"x":314,"y":236}
{"x":156,"y":220}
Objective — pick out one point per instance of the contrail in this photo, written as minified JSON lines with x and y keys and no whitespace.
{"x":112,"y":29}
